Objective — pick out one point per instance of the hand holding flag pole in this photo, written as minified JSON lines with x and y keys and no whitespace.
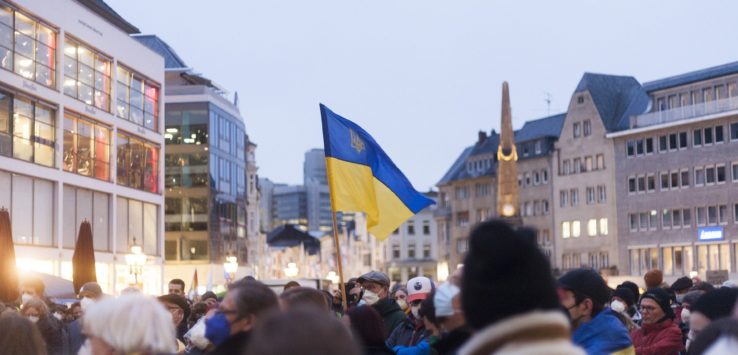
{"x":362,"y":178}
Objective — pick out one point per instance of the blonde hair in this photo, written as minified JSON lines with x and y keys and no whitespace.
{"x":131,"y":323}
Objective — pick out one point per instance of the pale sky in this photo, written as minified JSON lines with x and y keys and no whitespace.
{"x":422,"y":76}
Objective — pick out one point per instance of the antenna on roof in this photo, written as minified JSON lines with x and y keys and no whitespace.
{"x":235,"y":99}
{"x":548,"y":103}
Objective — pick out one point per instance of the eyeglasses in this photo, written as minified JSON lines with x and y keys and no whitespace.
{"x":648,"y":308}
{"x":226,"y":311}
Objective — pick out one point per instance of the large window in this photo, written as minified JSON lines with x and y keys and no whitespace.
{"x":137,"y":224}
{"x":138,"y":163}
{"x":27,"y":47}
{"x":137,"y":99}
{"x":31,"y":205}
{"x":186,"y":214}
{"x":86,"y":74}
{"x":86,"y":147}
{"x":29,"y":135}
{"x":86,"y":205}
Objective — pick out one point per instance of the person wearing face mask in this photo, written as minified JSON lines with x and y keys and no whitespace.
{"x":354,"y":294}
{"x":375,"y":286}
{"x":622,"y":301}
{"x":51,"y":329}
{"x":411,"y":330}
{"x":584,"y":293}
{"x":450,"y":317}
{"x":399,"y":294}
{"x":89,"y":293}
{"x":180,"y":311}
{"x":245,"y":305}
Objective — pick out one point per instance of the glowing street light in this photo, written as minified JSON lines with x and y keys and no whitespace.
{"x":291,"y":270}
{"x":231,"y":266}
{"x":136,"y":261}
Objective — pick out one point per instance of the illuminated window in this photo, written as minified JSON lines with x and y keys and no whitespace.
{"x":86,"y":147}
{"x":603,"y":226}
{"x":138,"y":163}
{"x":137,"y":99}
{"x":86,"y":74}
{"x":27,"y":47}
{"x":565,"y":230}
{"x":592,"y":227}
{"x":27,"y":129}
{"x":576,"y":229}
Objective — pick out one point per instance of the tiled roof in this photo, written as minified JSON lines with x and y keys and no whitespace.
{"x":171,"y":59}
{"x":615,"y":97}
{"x":543,"y":127}
{"x":691,"y":77}
{"x":101,"y":8}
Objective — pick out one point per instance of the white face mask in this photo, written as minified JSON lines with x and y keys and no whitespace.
{"x":196,"y":335}
{"x":370,"y":297}
{"x":617,"y":306}
{"x":33,"y":319}
{"x":25,"y":298}
{"x":680,"y":298}
{"x":85,"y":303}
{"x":402,"y":303}
{"x":685,"y":316}
{"x":415,"y":310}
{"x":58,"y":316}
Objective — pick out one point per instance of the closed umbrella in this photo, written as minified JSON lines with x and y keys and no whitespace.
{"x":9,"y":290}
{"x":83,"y":260}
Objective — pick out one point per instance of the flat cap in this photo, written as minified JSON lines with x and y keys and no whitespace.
{"x":375,"y":276}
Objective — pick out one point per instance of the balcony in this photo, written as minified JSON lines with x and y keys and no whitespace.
{"x":441,"y":212}
{"x":722,"y":106}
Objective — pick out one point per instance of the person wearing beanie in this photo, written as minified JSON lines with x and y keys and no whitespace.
{"x":598,"y":329}
{"x":508,"y":295}
{"x":659,"y":333}
{"x":622,"y":302}
{"x":709,"y":307}
{"x":411,"y":330}
{"x":653,"y":279}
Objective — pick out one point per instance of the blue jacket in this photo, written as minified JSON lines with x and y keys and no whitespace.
{"x":604,"y":334}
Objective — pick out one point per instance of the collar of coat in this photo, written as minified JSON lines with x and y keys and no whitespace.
{"x":529,"y":327}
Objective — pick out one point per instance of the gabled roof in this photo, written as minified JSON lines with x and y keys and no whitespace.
{"x":105,"y":11}
{"x":456,"y":166}
{"x":543,"y":127}
{"x":615,"y":97}
{"x":171,"y":59}
{"x":691,"y":77}
{"x":287,"y":235}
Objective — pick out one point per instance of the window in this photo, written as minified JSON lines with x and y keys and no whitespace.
{"x":630,"y":148}
{"x":633,"y":218}
{"x":632,"y":185}
{"x":567,"y":167}
{"x":481,"y":190}
{"x":462,"y":245}
{"x":411,"y":227}
{"x":676,"y":218}
{"x":651,"y":183}
{"x":697,"y":137}
{"x":600,"y":161}
{"x":639,"y":147}
{"x":92,"y":206}
{"x":482,"y":214}
{"x":587,"y":127}
{"x":138,"y":163}
{"x":723,"y":214}
{"x":563,"y":198}
{"x":577,"y":129}
{"x":27,"y":129}
{"x":395,"y":251}
{"x":685,"y":178}
{"x":137,"y":223}
{"x":565,"y":230}
{"x":601,"y":194}
{"x":574,"y":196}
{"x":674,"y":179}
{"x":411,"y":251}
{"x":653,"y":219}
{"x":137,"y":99}
{"x":683,"y":140}
{"x":735,"y":213}
{"x":580,"y":99}
{"x":735,"y":172}
{"x":575,"y":229}
{"x":649,"y":145}
{"x":577,"y":165}
{"x":462,"y":192}
{"x":87,"y":74}
{"x":426,"y":251}
{"x":699,"y":176}
{"x":708,"y":135}
{"x":27,"y":47}
{"x":462,"y":219}
{"x":544,"y":206}
{"x":719,"y":138}
{"x":536,"y":178}
{"x":641,"y":183}
{"x":712,"y":217}
{"x":734,"y":131}
{"x":720,"y":169}
{"x":663,"y":147}
{"x":603,"y":226}
{"x":590,"y":195}
{"x":592,"y":227}
{"x":686,"y":218}
{"x":666,"y":219}
{"x":538,"y":147}
{"x":588,"y":163}
{"x":673,"y":141}
{"x":643,"y":221}
{"x":701,"y":216}
{"x":544,"y":176}
{"x":710,"y":175}
{"x":31,"y":202}
{"x":86,"y":147}
{"x":664,"y":181}
{"x":426,"y":228}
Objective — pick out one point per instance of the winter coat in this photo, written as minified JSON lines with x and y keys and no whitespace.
{"x":391,"y":313}
{"x":604,"y":334}
{"x":450,"y":343}
{"x":52,"y":330}
{"x":537,"y":332}
{"x":663,"y":338}
{"x":235,"y":344}
{"x":76,"y":338}
{"x":408,"y":333}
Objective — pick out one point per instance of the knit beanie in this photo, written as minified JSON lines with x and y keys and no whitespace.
{"x":653,"y":278}
{"x":717,"y":303}
{"x":588,"y":283}
{"x":663,"y":299}
{"x":681,"y":284}
{"x":624,"y":294}
{"x":505,"y":274}
{"x":632,"y":287}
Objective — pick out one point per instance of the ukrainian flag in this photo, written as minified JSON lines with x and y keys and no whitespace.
{"x":362,"y":177}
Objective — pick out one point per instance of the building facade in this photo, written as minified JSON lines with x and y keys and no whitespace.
{"x":206,"y":173}
{"x":81,"y":139}
{"x":412,"y":249}
{"x":676,"y":176}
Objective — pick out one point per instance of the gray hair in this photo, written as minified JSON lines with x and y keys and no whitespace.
{"x":131,"y":323}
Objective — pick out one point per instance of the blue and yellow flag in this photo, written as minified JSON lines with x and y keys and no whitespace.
{"x":362,"y":177}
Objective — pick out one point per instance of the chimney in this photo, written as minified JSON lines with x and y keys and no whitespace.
{"x":482,"y":137}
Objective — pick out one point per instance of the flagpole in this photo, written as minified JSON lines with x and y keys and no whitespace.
{"x":341,"y":285}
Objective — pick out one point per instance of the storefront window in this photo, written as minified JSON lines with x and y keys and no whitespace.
{"x":27,"y":47}
{"x":138,"y":163}
{"x":86,"y":147}
{"x":668,"y":261}
{"x":27,"y":131}
{"x":137,"y":99}
{"x":87,"y":74}
{"x":86,"y":205}
{"x":137,"y":223}
{"x":31,"y":202}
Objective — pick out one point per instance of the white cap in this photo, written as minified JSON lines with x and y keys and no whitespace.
{"x":418,"y":288}
{"x":443,"y":299}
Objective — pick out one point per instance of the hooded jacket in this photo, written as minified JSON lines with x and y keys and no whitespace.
{"x":604,"y":334}
{"x":662,"y":338}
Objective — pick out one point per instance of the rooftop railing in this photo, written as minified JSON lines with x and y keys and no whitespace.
{"x":685,"y":112}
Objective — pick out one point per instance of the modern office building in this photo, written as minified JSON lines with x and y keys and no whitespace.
{"x":80,"y":139}
{"x":206,"y":176}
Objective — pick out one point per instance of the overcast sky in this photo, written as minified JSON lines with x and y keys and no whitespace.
{"x":422,"y":76}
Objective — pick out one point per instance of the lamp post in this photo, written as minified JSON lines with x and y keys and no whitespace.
{"x":136,"y":261}
{"x":231,"y":266}
{"x":291,"y":270}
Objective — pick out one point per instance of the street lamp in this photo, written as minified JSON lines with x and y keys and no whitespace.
{"x":136,"y":261}
{"x":231,"y":266}
{"x":291,"y":270}
{"x":333,"y":277}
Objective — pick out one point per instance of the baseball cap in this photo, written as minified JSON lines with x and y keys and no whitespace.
{"x":586,"y":282}
{"x":418,"y":288}
{"x":375,"y":276}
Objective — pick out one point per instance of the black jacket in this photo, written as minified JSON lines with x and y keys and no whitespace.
{"x":391,"y":314}
{"x":407,"y":333}
{"x":378,"y":350}
{"x":450,"y":343}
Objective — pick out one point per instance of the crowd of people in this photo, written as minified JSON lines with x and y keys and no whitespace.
{"x":503,"y":301}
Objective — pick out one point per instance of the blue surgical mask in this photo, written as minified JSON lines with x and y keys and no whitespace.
{"x":217,"y":329}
